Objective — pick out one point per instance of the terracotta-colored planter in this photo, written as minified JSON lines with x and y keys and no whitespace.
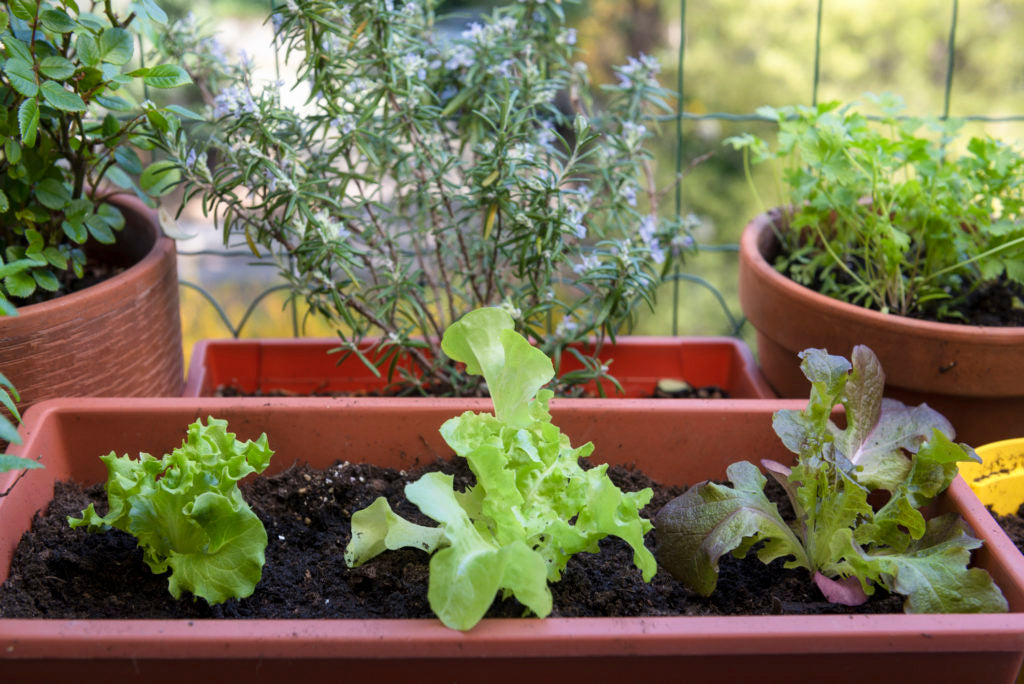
{"x":304,"y":366}
{"x":121,"y":337}
{"x":973,"y":375}
{"x":674,"y":444}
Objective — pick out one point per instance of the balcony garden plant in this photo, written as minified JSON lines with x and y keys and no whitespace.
{"x":84,"y":273}
{"x":411,"y":174}
{"x":890,"y":236}
{"x":531,"y":505}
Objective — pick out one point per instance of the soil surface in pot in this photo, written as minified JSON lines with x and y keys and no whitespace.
{"x":686,"y":392}
{"x":999,"y":303}
{"x":58,"y":572}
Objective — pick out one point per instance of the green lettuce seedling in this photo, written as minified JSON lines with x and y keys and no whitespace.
{"x":848,"y":546}
{"x":187,"y":513}
{"x":532,"y":507}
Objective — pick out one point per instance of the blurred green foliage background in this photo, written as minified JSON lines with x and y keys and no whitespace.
{"x":739,"y":55}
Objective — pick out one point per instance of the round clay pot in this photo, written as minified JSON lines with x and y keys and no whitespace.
{"x":974,"y":375}
{"x":121,"y":337}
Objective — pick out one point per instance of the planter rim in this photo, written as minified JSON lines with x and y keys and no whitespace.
{"x":427,"y":638}
{"x":524,"y":637}
{"x":197,"y":371}
{"x":106,"y":289}
{"x":751,"y":254}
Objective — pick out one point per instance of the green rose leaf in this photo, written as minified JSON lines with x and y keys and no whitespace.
{"x":23,"y":78}
{"x":24,"y":9}
{"x":116,"y":46}
{"x":99,"y":229}
{"x":88,"y":49}
{"x":18,"y":49}
{"x":20,"y":284}
{"x":114,"y":103}
{"x":56,"y":96}
{"x":53,"y":194}
{"x":76,"y":232}
{"x":45,"y":279}
{"x":55,"y":258}
{"x":166,"y":76}
{"x":56,"y":67}
{"x":28,"y":122}
{"x":58,"y":21}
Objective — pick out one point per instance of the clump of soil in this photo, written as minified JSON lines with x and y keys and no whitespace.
{"x":59,"y":572}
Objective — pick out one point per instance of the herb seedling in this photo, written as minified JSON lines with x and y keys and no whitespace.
{"x":848,"y":547}
{"x":882,"y":215}
{"x":187,"y":512}
{"x":532,"y":507}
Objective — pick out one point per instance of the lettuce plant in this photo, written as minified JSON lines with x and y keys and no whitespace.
{"x":187,"y":513}
{"x":532,"y":506}
{"x":848,"y":546}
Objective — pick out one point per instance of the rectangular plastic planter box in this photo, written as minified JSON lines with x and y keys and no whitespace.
{"x":304,"y":366}
{"x":671,"y":443}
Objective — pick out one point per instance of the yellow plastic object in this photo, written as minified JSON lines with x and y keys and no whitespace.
{"x":999,"y":479}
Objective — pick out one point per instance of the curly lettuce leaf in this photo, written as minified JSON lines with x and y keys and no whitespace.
{"x":486,"y":341}
{"x":377,"y":528}
{"x":931,"y":572}
{"x":187,"y":513}
{"x":709,"y":520}
{"x":532,"y":506}
{"x":847,"y":545}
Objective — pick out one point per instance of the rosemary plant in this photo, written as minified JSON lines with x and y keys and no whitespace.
{"x":431,"y":171}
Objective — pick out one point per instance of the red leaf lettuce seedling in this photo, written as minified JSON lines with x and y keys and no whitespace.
{"x":187,"y":512}
{"x":532,"y":506}
{"x":847,"y":545}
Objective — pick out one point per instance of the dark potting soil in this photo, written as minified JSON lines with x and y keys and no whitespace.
{"x":687,"y":392}
{"x":59,"y":572}
{"x":998,"y":303}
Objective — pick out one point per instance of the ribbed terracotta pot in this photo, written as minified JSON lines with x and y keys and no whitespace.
{"x":974,"y":375}
{"x":672,"y":443}
{"x":306,"y":366}
{"x":121,"y":337}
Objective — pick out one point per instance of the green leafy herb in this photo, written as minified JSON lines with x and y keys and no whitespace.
{"x":532,"y":507}
{"x":848,"y":546}
{"x":881,"y":214}
{"x":187,"y":513}
{"x":61,"y":72}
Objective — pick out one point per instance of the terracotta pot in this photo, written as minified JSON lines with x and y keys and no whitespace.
{"x":671,"y":443}
{"x":974,"y":375}
{"x":304,"y":366}
{"x":121,"y":337}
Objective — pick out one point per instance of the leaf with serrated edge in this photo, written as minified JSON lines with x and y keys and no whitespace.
{"x":709,"y":520}
{"x":28,"y":121}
